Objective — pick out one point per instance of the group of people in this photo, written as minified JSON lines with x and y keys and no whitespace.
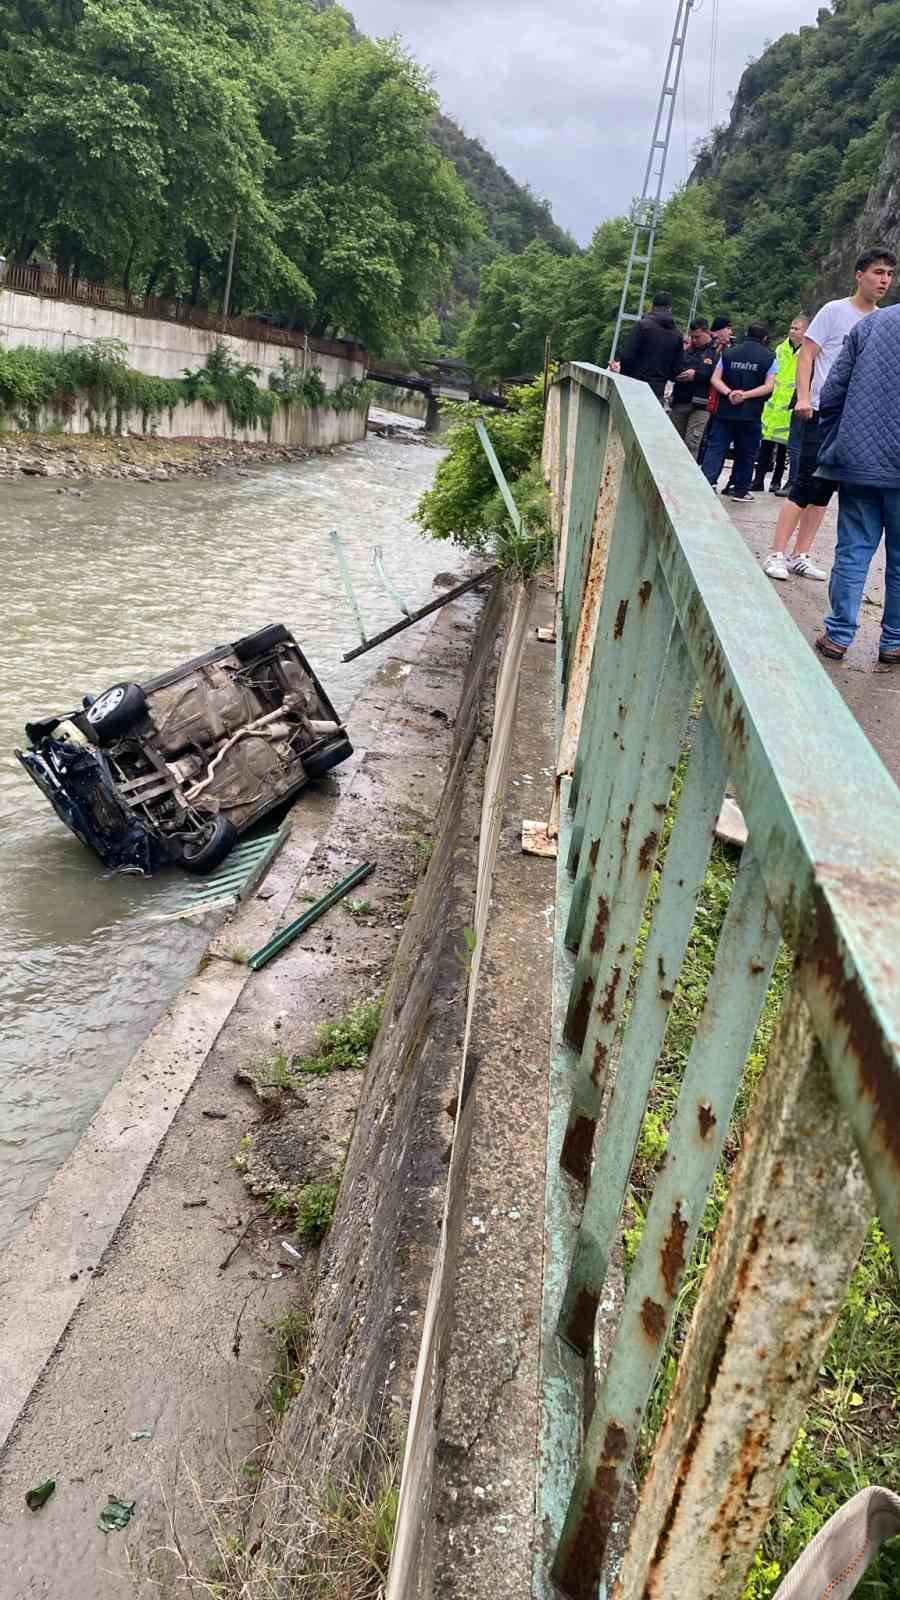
{"x":824,"y":409}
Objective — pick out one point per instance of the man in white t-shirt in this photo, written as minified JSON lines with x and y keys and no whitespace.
{"x":804,"y":509}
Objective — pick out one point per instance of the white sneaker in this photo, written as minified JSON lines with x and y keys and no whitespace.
{"x":741,"y":499}
{"x":802,"y":567}
{"x":775,"y":565}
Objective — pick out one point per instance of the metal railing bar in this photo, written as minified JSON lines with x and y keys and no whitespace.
{"x":591,"y":443}
{"x":803,"y":782}
{"x":784,"y":1252}
{"x":628,"y":845}
{"x":616,"y":671}
{"x":748,"y":946}
{"x":681,"y":879}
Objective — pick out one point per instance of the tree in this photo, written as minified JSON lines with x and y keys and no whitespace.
{"x":372,"y":210}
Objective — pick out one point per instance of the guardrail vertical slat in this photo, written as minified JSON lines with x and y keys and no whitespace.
{"x":682,"y":875}
{"x":614,"y":676}
{"x":619,"y":857}
{"x":787,"y":1243}
{"x":591,"y":428}
{"x":746,"y":953}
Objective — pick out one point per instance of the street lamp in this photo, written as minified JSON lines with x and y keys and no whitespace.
{"x":699,"y":288}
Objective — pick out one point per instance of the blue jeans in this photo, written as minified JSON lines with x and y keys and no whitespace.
{"x":863,"y":515}
{"x":745,"y":436}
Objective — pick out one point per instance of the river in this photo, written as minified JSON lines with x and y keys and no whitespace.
{"x":122,"y":584}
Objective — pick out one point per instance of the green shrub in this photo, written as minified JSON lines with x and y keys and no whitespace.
{"x":465,"y":504}
{"x":346,"y":1042}
{"x":33,"y":381}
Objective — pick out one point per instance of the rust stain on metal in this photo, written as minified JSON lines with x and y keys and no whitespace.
{"x":593,"y":852}
{"x":645,"y":591}
{"x":671,"y":1256}
{"x":756,"y":968}
{"x":877,"y":1074}
{"x":621,"y":614}
{"x":608,"y":1008}
{"x":580,"y":1327}
{"x":653,"y":1320}
{"x":578,"y":1146}
{"x":579,"y":1016}
{"x":661,"y":969}
{"x":598,"y":1070}
{"x":625,"y":829}
{"x":706,"y":1119}
{"x":667,"y":996}
{"x":647,"y":852}
{"x":598,"y":937}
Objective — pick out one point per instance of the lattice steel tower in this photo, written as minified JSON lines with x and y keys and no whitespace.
{"x":645,"y":210}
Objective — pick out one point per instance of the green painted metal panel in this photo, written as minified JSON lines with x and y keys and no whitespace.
{"x":745,"y":957}
{"x":822,"y":810}
{"x":624,"y":847}
{"x":680,"y":881}
{"x":591,"y":426}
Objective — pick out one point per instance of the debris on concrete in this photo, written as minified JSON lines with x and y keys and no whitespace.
{"x":116,"y":1514}
{"x":40,"y":1494}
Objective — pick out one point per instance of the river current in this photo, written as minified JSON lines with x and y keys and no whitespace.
{"x":122,"y":584}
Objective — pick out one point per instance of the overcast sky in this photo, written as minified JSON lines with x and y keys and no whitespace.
{"x":563,"y":92}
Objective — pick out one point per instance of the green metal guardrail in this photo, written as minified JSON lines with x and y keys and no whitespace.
{"x":657,"y":598}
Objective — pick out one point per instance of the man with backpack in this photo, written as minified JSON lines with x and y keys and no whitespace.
{"x":743,"y":379}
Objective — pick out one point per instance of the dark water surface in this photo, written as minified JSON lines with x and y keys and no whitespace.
{"x":124,"y":583}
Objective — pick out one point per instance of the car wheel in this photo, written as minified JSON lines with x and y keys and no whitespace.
{"x":116,"y":710}
{"x":256,"y":644}
{"x":204,"y":850}
{"x":322,"y":761}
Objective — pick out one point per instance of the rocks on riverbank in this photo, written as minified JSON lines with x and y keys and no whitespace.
{"x":146,"y":459}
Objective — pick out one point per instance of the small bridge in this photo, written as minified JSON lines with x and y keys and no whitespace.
{"x":437,"y":380}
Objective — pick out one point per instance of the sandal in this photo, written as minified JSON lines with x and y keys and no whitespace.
{"x":829,"y":648}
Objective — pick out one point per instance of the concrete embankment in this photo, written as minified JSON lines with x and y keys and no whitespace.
{"x":118,"y":1313}
{"x":167,"y":349}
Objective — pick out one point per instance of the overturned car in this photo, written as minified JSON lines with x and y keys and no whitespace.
{"x":174,"y":770}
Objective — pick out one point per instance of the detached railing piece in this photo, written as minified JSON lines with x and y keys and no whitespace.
{"x":658,"y":599}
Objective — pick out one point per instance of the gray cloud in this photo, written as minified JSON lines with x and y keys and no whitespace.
{"x":564,"y":96}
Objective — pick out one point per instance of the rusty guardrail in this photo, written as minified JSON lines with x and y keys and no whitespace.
{"x":657,"y":598}
{"x":50,"y":285}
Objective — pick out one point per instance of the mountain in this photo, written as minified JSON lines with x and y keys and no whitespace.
{"x":512,"y":215}
{"x":806,"y":170}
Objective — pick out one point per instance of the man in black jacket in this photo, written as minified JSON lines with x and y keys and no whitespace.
{"x":744,"y":379}
{"x":654,"y":349}
{"x":690,"y":394}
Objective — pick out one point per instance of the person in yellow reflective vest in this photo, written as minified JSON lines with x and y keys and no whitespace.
{"x":778,"y":411}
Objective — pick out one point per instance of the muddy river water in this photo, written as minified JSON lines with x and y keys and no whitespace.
{"x":122,"y":584}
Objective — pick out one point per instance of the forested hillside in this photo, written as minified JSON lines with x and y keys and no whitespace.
{"x":135,"y":135}
{"x":782,"y":199}
{"x":792,"y":173}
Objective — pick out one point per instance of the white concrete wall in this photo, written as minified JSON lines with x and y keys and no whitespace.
{"x":164,"y":350}
{"x":316,"y":429}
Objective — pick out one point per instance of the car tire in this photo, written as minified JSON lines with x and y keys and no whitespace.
{"x":320,"y":762}
{"x":115,"y":711}
{"x":256,"y":644}
{"x":207,"y":848}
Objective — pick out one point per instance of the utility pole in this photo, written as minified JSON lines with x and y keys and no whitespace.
{"x":646,"y":208}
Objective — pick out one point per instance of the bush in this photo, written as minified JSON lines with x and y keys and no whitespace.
{"x":465,"y":504}
{"x":32,"y":381}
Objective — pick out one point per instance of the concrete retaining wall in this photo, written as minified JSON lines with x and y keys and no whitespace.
{"x":165,"y":350}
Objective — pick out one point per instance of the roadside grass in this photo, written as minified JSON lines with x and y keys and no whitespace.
{"x":284,"y":1536}
{"x":339,"y":1045}
{"x":849,"y":1438}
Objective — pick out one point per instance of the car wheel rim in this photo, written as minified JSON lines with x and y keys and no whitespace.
{"x":106,"y":703}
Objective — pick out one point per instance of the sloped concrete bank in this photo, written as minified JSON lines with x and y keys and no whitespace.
{"x":119,"y":1314}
